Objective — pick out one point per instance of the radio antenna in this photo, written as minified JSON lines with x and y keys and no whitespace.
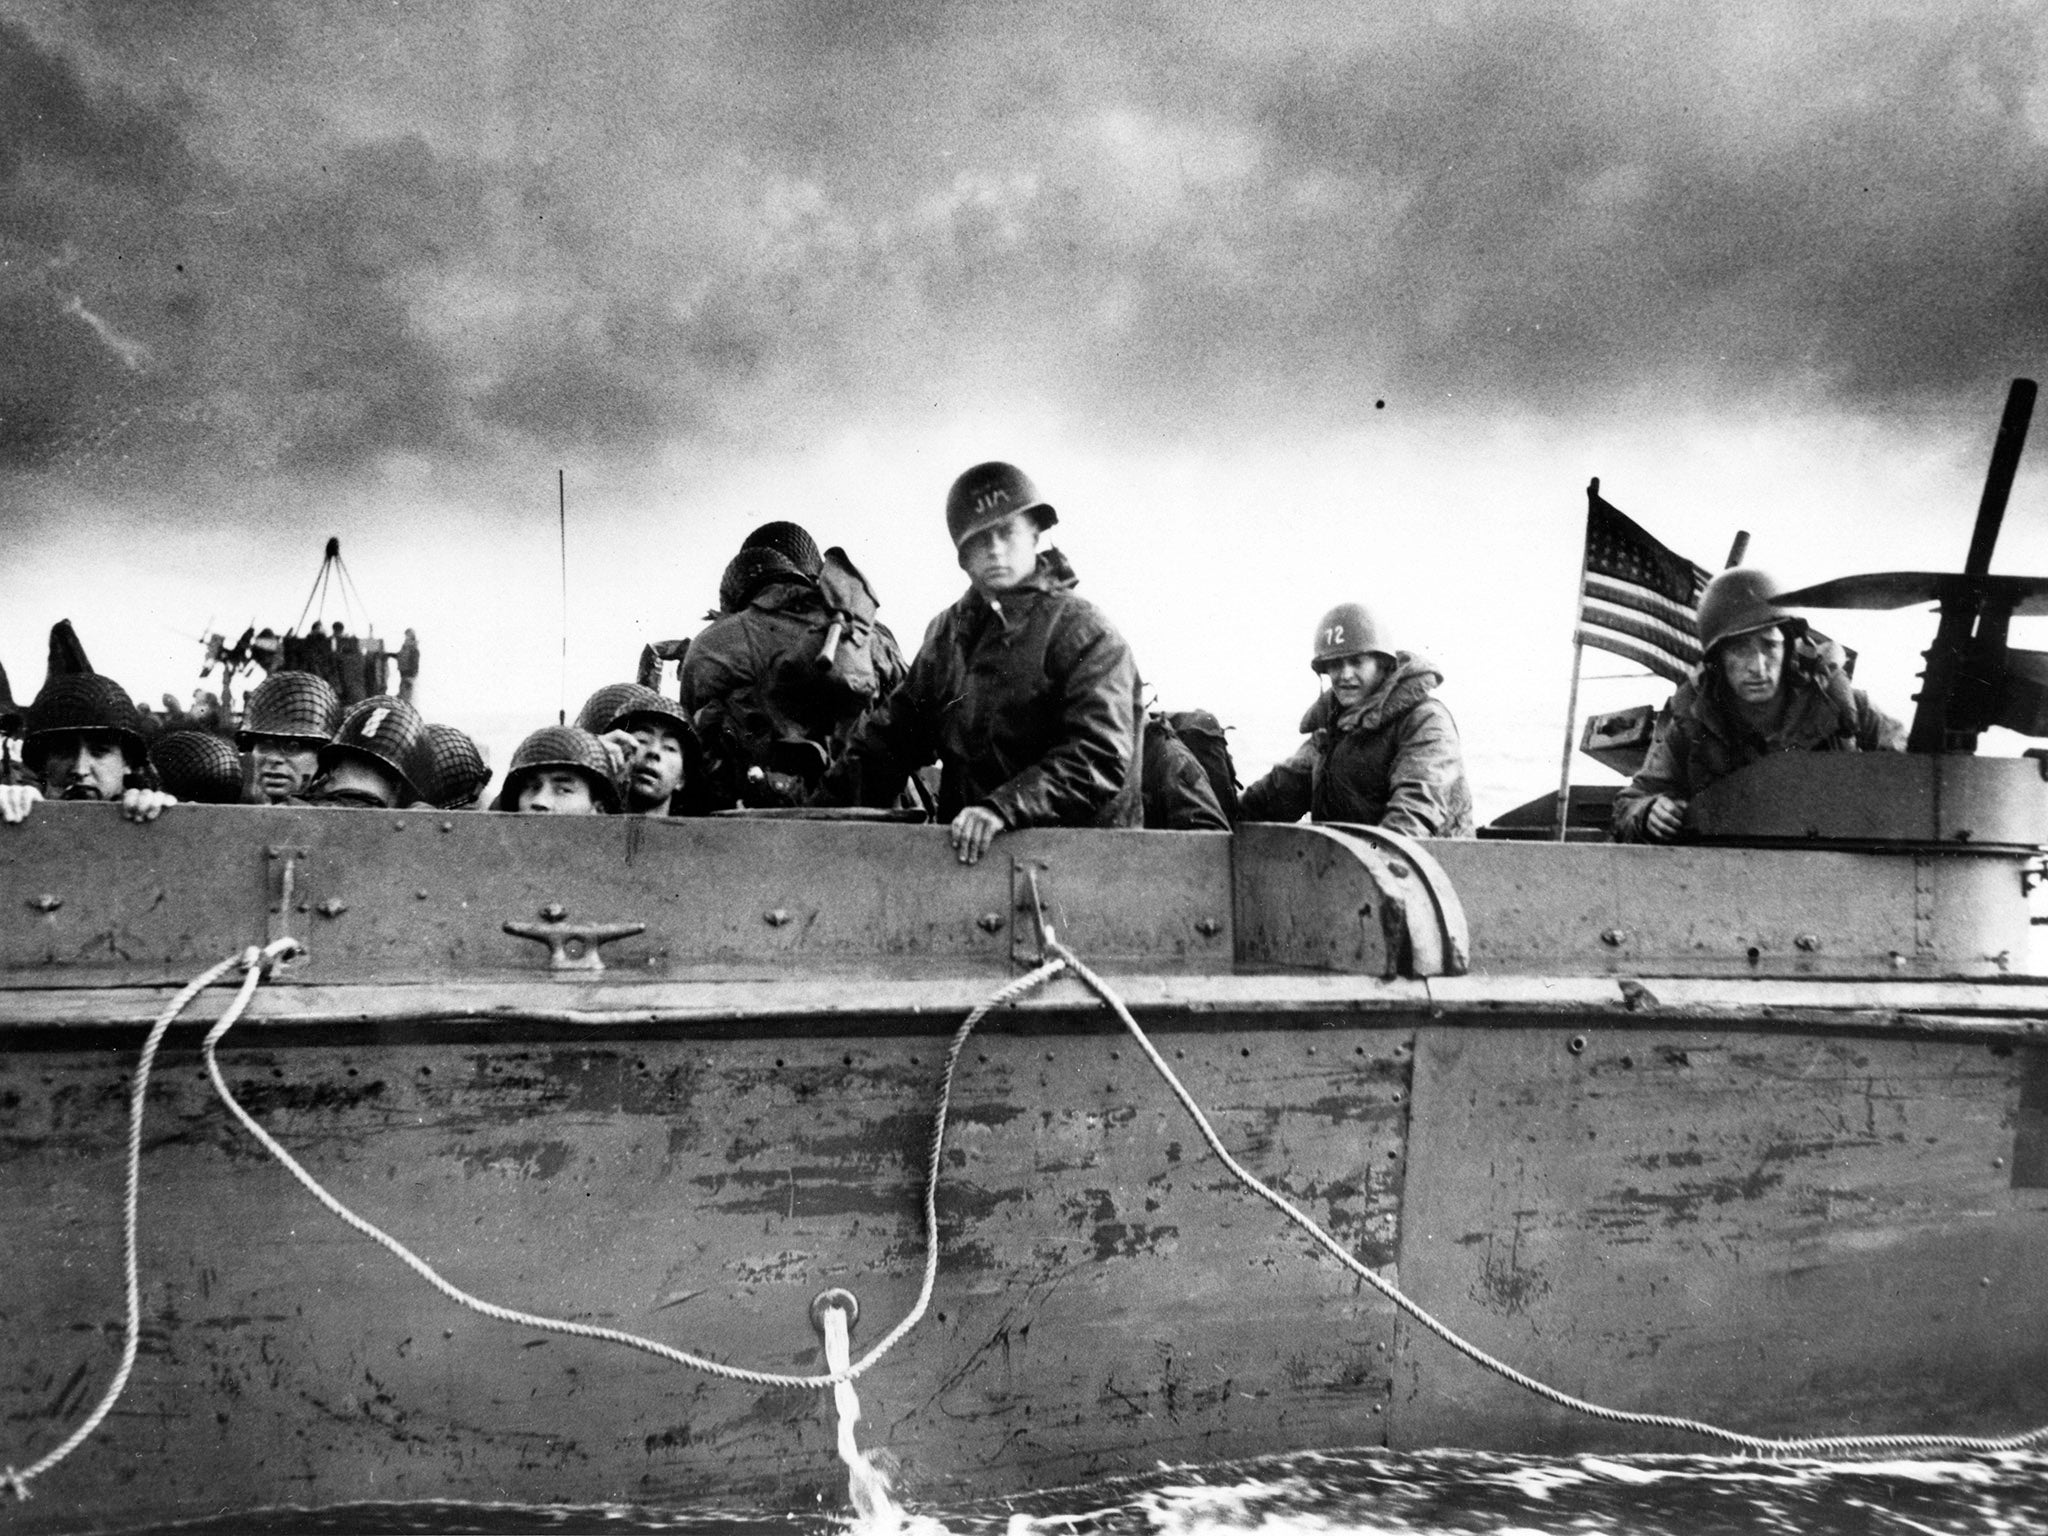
{"x":562,"y":518}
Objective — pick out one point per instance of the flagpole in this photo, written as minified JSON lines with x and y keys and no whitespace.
{"x":1571,"y":709}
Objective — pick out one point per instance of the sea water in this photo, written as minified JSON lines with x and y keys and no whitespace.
{"x":1339,"y":1493}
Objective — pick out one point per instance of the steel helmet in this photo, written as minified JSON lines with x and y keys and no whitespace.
{"x":386,"y":730}
{"x":1741,"y":601}
{"x":751,"y":570}
{"x":561,"y":746}
{"x":988,"y":493}
{"x":612,"y":706}
{"x":1348,"y":629}
{"x":87,"y":703}
{"x":197,"y":766}
{"x":789,"y":540}
{"x":455,"y":769}
{"x":293,"y":704}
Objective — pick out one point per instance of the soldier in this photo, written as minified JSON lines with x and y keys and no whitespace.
{"x":376,"y":760}
{"x":1024,"y":692}
{"x":197,"y":767}
{"x":562,"y":771}
{"x":1382,"y":749}
{"x":1764,"y":685}
{"x":291,"y":716}
{"x":1178,"y":796}
{"x":652,"y":739}
{"x":83,"y":740}
{"x":775,"y":685}
{"x":456,"y":772}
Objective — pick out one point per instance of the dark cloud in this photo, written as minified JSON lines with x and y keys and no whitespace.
{"x":476,"y":232}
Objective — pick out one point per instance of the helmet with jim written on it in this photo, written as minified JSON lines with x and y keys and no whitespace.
{"x":986,"y":494}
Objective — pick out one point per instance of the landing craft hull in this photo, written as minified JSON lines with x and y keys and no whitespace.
{"x":1704,"y":1170}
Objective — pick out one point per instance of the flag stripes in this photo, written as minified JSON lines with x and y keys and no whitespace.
{"x":1638,"y":599}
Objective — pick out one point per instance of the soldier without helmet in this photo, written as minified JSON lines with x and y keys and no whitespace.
{"x":83,"y":740}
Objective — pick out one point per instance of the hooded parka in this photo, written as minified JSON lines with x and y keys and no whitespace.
{"x":1701,"y":736}
{"x":1030,"y":705}
{"x":1391,"y":761}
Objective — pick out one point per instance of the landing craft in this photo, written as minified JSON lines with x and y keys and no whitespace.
{"x":1720,"y":1146}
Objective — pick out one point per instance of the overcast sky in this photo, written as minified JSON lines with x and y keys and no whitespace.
{"x":1281,"y":305}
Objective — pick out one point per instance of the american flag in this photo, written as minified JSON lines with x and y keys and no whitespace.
{"x":1638,"y":599}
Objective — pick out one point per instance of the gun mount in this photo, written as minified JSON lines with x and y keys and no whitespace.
{"x":1973,"y":679}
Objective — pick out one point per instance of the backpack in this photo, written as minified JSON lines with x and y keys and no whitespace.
{"x":1203,"y":735}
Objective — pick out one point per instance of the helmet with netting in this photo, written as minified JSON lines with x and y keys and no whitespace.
{"x":197,"y":766}
{"x":88,"y":704}
{"x":299,"y":705}
{"x":792,"y":541}
{"x":561,"y":746}
{"x":750,"y":571}
{"x":455,"y":770}
{"x":615,"y":704}
{"x":388,"y":731}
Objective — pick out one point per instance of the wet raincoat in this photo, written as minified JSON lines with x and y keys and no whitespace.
{"x":1029,"y":705}
{"x":1392,"y":761}
{"x":1178,"y":794}
{"x":1702,"y":736}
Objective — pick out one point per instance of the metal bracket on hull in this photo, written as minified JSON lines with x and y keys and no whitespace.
{"x":283,"y":878}
{"x":1340,"y":897}
{"x":1420,"y":913}
{"x":1028,"y":926}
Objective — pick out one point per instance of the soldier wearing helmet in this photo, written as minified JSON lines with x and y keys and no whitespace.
{"x":376,"y":760}
{"x":562,"y":771}
{"x":651,"y":737}
{"x":456,"y":772}
{"x":1764,"y":685}
{"x":1382,"y":749}
{"x":794,"y":658}
{"x":197,"y":767}
{"x":83,"y":739}
{"x":1023,"y":691}
{"x":289,"y":718}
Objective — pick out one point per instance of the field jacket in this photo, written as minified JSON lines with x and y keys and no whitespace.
{"x":1701,"y":737}
{"x":1030,"y":706}
{"x":1392,"y":761}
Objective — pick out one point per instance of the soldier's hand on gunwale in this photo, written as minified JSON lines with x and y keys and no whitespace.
{"x":972,"y":831}
{"x":1664,"y":819}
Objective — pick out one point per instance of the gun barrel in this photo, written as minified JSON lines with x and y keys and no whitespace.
{"x":2005,"y":463}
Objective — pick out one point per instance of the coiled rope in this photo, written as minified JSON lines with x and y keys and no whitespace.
{"x":253,"y":962}
{"x":1820,"y":1445}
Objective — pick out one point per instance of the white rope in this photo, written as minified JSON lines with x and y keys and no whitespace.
{"x":455,"y":1293}
{"x":253,"y":961}
{"x":1755,"y":1444}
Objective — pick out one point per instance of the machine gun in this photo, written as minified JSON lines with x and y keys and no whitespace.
{"x":1973,"y":679}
